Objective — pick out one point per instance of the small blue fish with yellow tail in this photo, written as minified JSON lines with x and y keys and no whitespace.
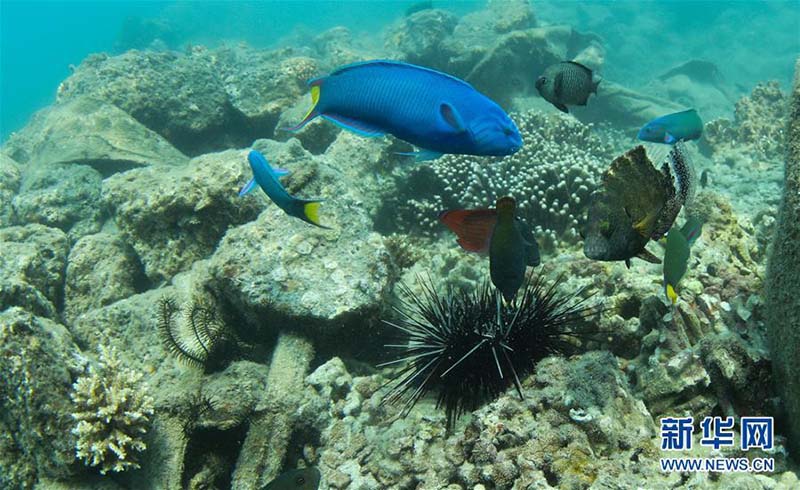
{"x":676,"y":255}
{"x":267,"y":178}
{"x":507,"y":239}
{"x":433,"y":111}
{"x":669,"y":129}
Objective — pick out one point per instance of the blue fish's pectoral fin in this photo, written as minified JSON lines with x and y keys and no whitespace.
{"x":561,"y":107}
{"x":249,"y":186}
{"x":669,"y":139}
{"x":451,"y":117}
{"x":312,"y":112}
{"x":280,"y":172}
{"x":359,"y":127}
{"x":422,"y":155}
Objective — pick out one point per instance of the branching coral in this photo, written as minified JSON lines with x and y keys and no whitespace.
{"x":113,"y":412}
{"x":551,"y":178}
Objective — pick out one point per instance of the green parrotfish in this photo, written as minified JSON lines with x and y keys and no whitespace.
{"x":676,"y":255}
{"x":507,"y":239}
{"x":672,"y":128}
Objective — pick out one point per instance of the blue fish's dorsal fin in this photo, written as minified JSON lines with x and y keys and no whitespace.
{"x":451,"y":116}
{"x":391,"y":64}
{"x":249,"y":186}
{"x":354,"y":125}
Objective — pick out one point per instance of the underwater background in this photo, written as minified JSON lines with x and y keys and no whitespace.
{"x":160,"y":330}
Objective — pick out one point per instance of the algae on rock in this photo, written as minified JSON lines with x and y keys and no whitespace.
{"x":783,"y":282}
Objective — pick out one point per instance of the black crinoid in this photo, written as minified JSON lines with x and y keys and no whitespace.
{"x":202,"y":339}
{"x":469,"y":347}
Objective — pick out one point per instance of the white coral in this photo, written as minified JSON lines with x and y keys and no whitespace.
{"x":112,"y":412}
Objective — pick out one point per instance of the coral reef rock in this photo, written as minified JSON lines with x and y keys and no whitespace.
{"x":10,"y":179}
{"x":91,"y":132}
{"x":32,"y":267}
{"x":172,"y":217}
{"x":283,"y":265}
{"x":783,"y":280}
{"x":179,"y":96}
{"x":37,"y":360}
{"x":62,"y":196}
{"x":100,"y":259}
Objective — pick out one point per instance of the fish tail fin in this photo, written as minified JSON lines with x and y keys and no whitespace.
{"x":671,"y":294}
{"x":595,"y":84}
{"x":310,"y":211}
{"x":316,"y":86}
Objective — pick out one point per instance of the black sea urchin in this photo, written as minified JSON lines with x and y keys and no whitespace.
{"x":470,"y":348}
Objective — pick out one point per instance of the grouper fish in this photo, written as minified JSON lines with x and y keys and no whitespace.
{"x":507,"y":239}
{"x":267,"y":178}
{"x":434,"y":111}
{"x":636,"y":203}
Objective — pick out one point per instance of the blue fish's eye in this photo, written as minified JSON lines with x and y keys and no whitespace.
{"x":507,"y":131}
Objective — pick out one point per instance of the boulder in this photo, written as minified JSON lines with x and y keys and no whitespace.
{"x":175,"y":216}
{"x":10,"y":178}
{"x":783,"y":282}
{"x":511,"y":66}
{"x":90,"y":131}
{"x":62,"y":196}
{"x":36,"y":358}
{"x":32,"y":267}
{"x":180,"y":96}
{"x":101,"y":269}
{"x":304,"y":275}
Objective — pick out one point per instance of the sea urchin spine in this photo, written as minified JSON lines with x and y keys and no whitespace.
{"x":469,"y":347}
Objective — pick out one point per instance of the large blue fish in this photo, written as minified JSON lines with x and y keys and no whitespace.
{"x":669,"y":129}
{"x":267,"y":178}
{"x":434,"y":111}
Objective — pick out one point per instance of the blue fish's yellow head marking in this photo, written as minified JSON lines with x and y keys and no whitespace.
{"x":494,"y":133}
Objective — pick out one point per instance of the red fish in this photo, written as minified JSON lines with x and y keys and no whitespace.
{"x":508,"y":241}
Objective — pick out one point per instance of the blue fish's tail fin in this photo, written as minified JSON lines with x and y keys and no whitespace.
{"x":316,"y":86}
{"x":308,"y":211}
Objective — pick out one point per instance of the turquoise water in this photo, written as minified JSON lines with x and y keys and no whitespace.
{"x":749,"y":40}
{"x":575,"y":267}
